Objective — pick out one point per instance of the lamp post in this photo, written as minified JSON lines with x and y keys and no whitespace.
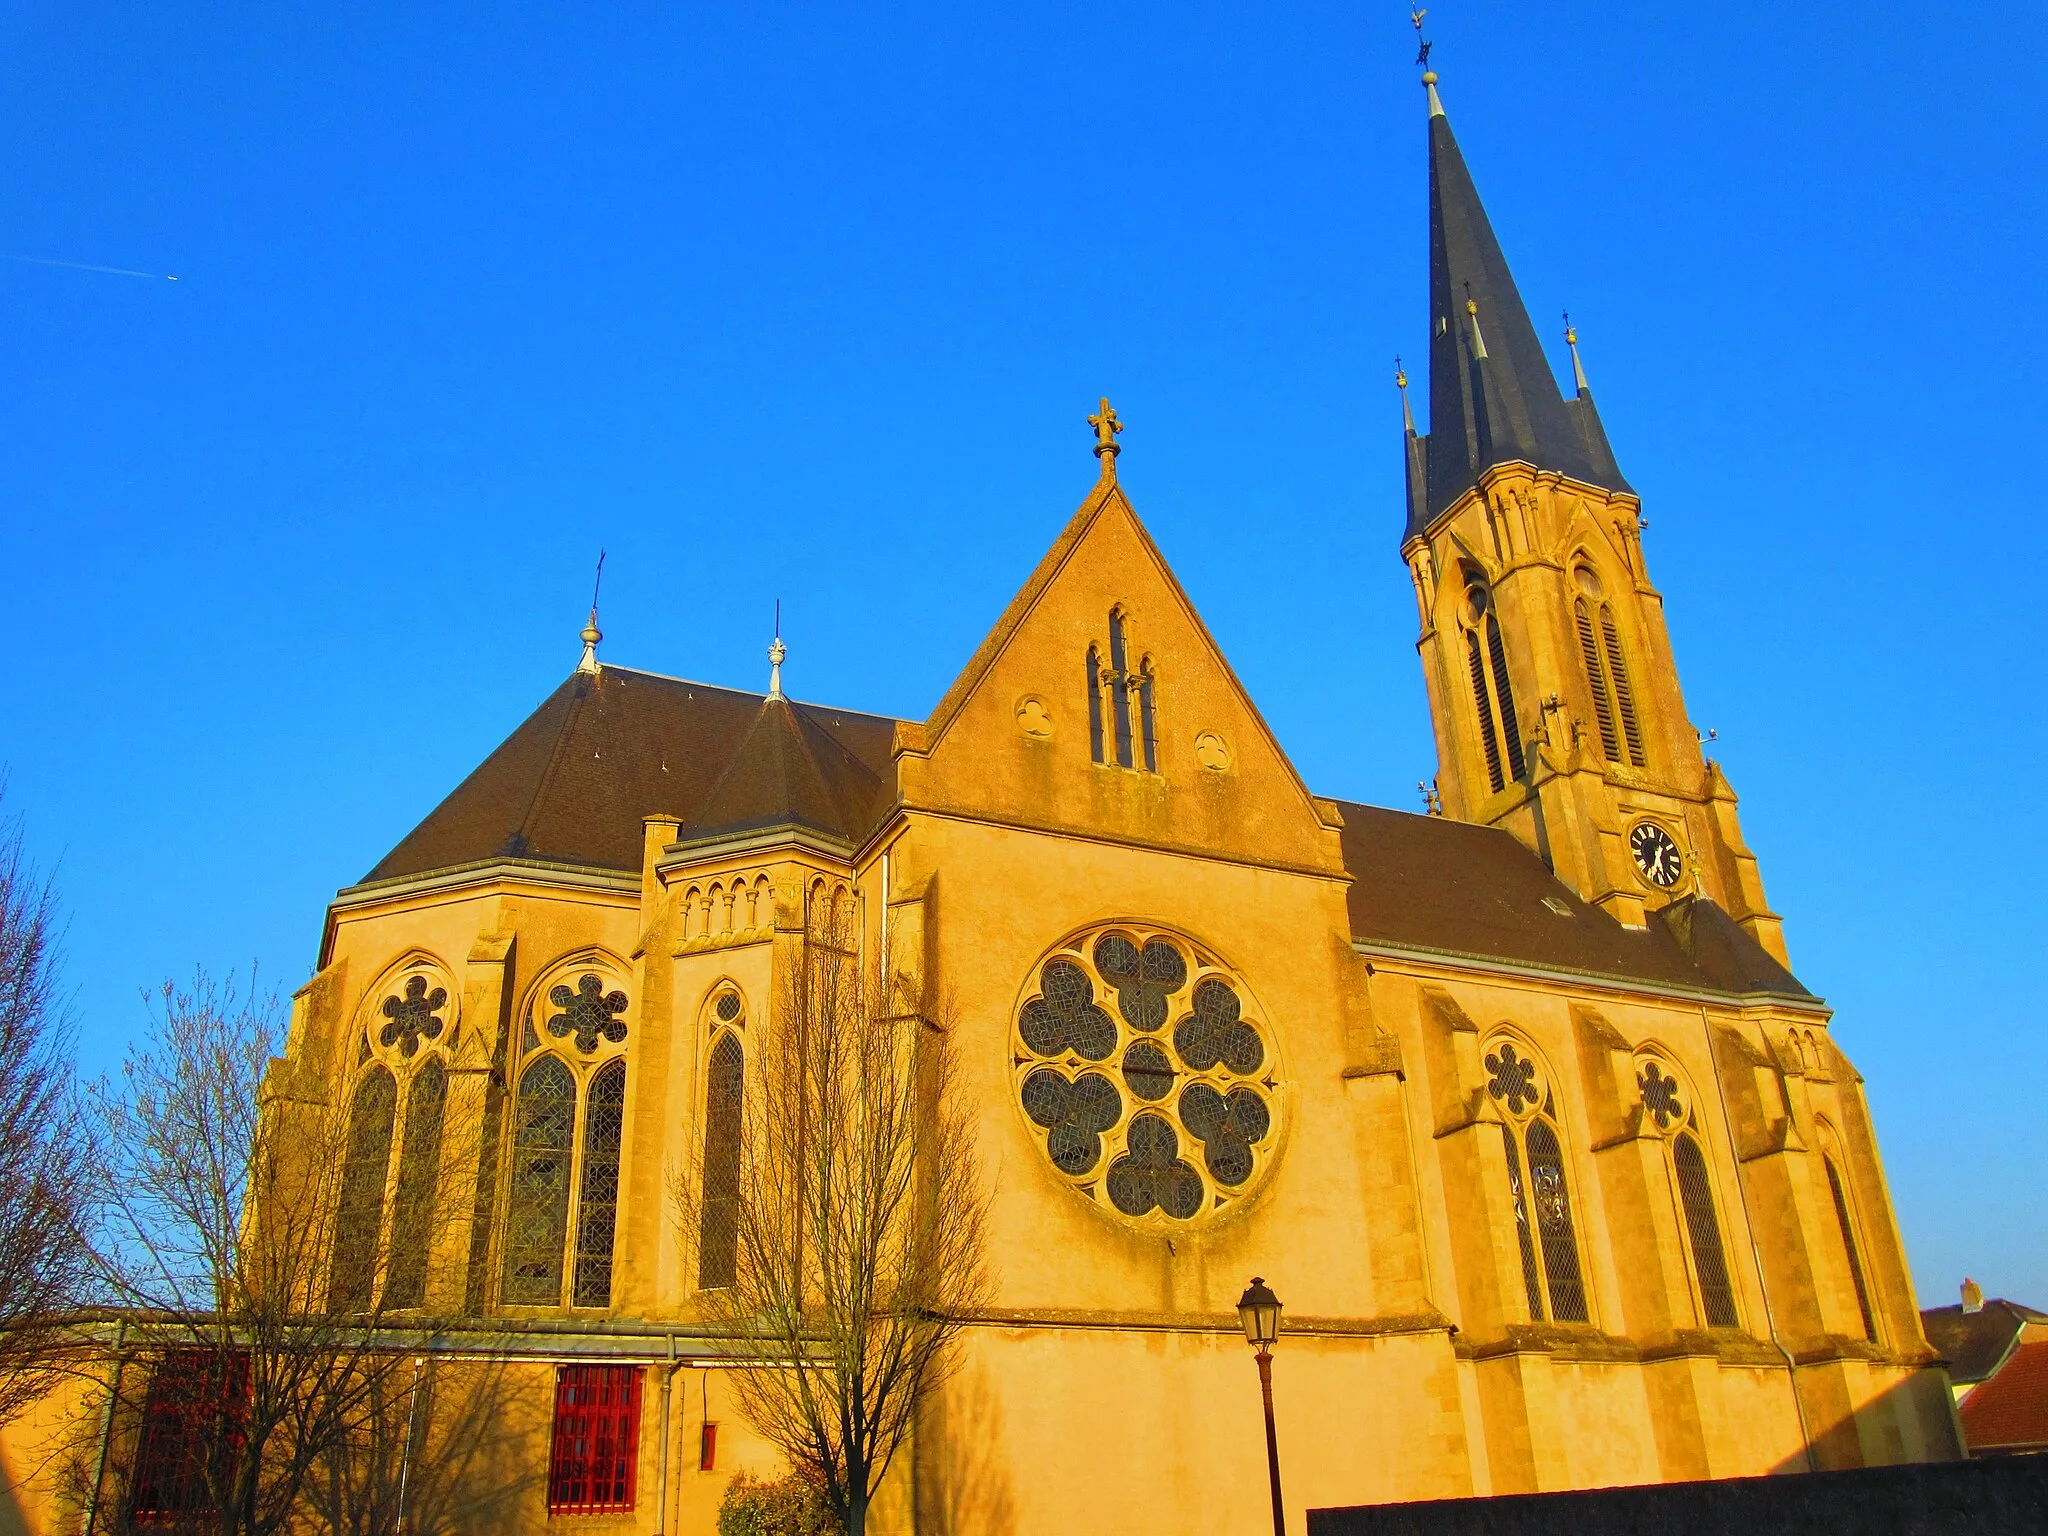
{"x":1259,"y":1310}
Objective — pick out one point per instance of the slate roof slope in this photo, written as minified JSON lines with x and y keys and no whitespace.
{"x":788,"y":770}
{"x":1976,"y":1343}
{"x":2010,"y":1411}
{"x":571,"y":784}
{"x":1432,"y":883}
{"x":1503,"y":403}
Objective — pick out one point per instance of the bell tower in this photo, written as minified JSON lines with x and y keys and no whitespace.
{"x":1551,"y":681}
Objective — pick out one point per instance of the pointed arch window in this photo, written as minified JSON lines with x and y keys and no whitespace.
{"x":1538,"y":1185}
{"x":1119,"y":684}
{"x":1149,"y":734}
{"x":1614,"y":701}
{"x":537,"y":1211}
{"x":597,"y":1211}
{"x":1849,"y":1247}
{"x":1094,"y":704}
{"x":1493,"y":693}
{"x":419,"y":1170}
{"x":1703,"y":1231}
{"x":1667,"y":1107}
{"x":359,"y":1218}
{"x":725,"y":1092}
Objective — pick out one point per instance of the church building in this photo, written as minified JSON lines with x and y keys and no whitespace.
{"x":1518,"y":1104}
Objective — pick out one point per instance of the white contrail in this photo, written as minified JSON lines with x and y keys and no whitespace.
{"x":79,"y":266}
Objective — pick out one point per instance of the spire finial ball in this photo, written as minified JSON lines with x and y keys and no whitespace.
{"x":1429,"y":77}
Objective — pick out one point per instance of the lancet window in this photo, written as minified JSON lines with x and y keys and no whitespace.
{"x":1849,"y":1246}
{"x":567,"y":1141}
{"x":1667,"y":1106}
{"x":1614,"y":703}
{"x":724,"y":1094}
{"x":391,"y":1156}
{"x":1123,"y":726}
{"x":1493,"y":693}
{"x":1537,"y":1184}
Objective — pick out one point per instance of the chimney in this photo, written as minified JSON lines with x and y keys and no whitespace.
{"x":1973,"y":1295}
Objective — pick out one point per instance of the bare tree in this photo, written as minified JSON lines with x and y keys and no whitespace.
{"x":854,"y":1216}
{"x":43,"y":1266}
{"x":235,"y":1235}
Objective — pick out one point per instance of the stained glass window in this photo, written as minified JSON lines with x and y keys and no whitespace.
{"x":198,"y":1401}
{"x":1524,"y":1235}
{"x":359,"y":1219}
{"x":1696,"y":1193}
{"x":1184,"y":1109}
{"x":537,"y":1210}
{"x":1552,"y":1200}
{"x":419,"y":1171}
{"x":725,"y":1088}
{"x":604,"y":1119}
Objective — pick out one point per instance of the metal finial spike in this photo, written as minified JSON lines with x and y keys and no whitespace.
{"x":1436,"y":106}
{"x":591,"y":633}
{"x":1472,"y":314}
{"x":1106,"y":428}
{"x":1401,"y":383}
{"x":1571,"y":340}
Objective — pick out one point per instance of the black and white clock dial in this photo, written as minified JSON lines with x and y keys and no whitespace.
{"x":1656,"y":854}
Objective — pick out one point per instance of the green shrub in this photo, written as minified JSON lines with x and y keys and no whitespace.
{"x":788,"y":1507}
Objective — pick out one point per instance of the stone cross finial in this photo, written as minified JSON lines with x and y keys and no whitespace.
{"x":1106,"y":428}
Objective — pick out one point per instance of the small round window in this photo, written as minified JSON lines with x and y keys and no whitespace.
{"x":1146,"y":1071}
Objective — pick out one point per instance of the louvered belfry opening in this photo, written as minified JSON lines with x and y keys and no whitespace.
{"x":1624,"y":696}
{"x":1703,"y":1230}
{"x":1596,"y":679}
{"x":1493,"y":690}
{"x":1849,"y":1247}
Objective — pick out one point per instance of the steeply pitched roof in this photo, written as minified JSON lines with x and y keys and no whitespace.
{"x":1432,"y":883}
{"x":1492,"y":396}
{"x":2010,"y":1411}
{"x":1976,"y":1343}
{"x":788,"y":770}
{"x":571,"y":784}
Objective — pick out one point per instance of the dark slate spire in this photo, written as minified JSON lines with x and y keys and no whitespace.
{"x":1492,"y":396}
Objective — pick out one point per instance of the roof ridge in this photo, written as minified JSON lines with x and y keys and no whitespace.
{"x":749,"y":693}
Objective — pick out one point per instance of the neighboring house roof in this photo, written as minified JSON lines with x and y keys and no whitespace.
{"x":2009,"y":1412}
{"x":1976,"y":1344}
{"x":1428,"y":882}
{"x":572,"y":783}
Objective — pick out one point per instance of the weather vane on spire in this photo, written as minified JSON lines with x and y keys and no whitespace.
{"x":1106,"y":428}
{"x":1571,"y":340}
{"x":1401,"y":383}
{"x":1422,"y":55}
{"x":591,"y":634}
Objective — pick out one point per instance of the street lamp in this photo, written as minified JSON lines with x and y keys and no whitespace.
{"x":1259,"y":1310}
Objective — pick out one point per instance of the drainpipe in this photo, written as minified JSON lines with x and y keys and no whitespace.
{"x":1756,"y":1254}
{"x":412,"y":1427}
{"x":99,"y":1471}
{"x":668,"y":1385}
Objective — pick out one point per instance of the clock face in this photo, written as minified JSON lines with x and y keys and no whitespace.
{"x":1656,"y":854}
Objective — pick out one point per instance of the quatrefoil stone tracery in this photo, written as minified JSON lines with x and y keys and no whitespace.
{"x":589,"y":1013}
{"x":1180,"y":1114}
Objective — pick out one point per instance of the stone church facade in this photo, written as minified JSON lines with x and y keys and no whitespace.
{"x":1556,"y":1165}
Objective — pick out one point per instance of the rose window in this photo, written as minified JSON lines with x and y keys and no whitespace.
{"x":1145,"y":1070}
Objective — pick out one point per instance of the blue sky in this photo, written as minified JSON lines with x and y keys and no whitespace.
{"x":809,"y":302}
